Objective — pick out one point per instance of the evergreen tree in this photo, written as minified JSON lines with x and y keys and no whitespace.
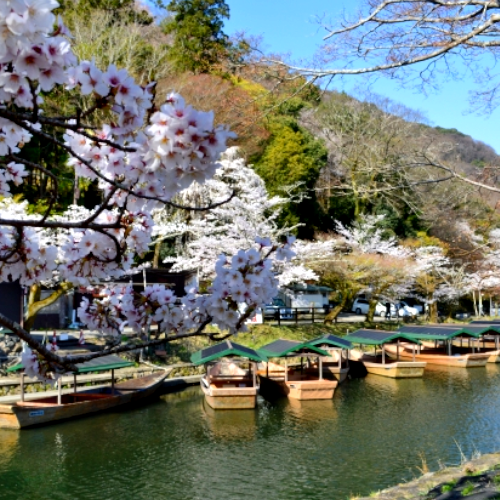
{"x":199,"y":42}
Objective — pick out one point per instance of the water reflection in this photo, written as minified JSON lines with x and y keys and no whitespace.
{"x":315,"y":411}
{"x":230,"y":424}
{"x":9,"y":442}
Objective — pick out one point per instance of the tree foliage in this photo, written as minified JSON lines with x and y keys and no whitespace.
{"x":199,"y":42}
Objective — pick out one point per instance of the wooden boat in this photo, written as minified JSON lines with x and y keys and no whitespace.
{"x":227,"y":386}
{"x":438,"y":356}
{"x":232,"y":391}
{"x":379,"y":364}
{"x":335,"y":365}
{"x":50,"y":409}
{"x":294,"y":382}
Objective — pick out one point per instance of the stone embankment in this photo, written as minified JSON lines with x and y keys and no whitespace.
{"x":478,"y":479}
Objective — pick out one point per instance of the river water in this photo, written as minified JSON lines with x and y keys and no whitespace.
{"x":374,"y":433}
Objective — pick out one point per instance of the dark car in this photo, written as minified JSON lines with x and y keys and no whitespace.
{"x":277,"y":309}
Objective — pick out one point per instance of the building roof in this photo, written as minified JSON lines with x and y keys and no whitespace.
{"x":378,"y":337}
{"x":437,"y":332}
{"x":104,"y":363}
{"x":226,"y":349}
{"x":297,"y":287}
{"x":331,"y":340}
{"x":283,"y":347}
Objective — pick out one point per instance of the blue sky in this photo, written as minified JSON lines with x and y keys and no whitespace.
{"x":288,"y":26}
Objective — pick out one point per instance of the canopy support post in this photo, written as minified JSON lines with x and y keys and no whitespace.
{"x":74,"y":383}
{"x":22,"y":386}
{"x":340,"y":359}
{"x":112,"y":381}
{"x":254,"y":374}
{"x":59,"y":391}
{"x":286,"y":370}
{"x":496,"y":342}
{"x":320,"y":364}
{"x":397,"y":351}
{"x":449,"y":347}
{"x":413,"y":350}
{"x":383,"y":354}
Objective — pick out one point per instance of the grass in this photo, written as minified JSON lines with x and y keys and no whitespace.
{"x":469,"y":488}
{"x":448,"y":486}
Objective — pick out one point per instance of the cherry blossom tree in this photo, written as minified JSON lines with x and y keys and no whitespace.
{"x":230,"y":226}
{"x":140,"y":157}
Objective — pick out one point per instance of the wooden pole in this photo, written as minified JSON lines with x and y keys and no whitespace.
{"x":59,"y":391}
{"x":22,"y":386}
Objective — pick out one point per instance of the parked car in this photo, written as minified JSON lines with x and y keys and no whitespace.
{"x":361,"y":306}
{"x":277,"y":309}
{"x":413,"y":303}
{"x":405,"y":310}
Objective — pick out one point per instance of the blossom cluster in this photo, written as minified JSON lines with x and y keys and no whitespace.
{"x":241,"y":285}
{"x":81,"y":256}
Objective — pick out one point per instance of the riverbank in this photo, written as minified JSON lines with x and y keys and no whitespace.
{"x":477,"y":479}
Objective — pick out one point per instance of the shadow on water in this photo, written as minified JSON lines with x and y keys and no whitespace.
{"x":371,"y":435}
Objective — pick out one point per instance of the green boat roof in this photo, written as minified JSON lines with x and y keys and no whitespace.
{"x":225,"y":349}
{"x":437,"y":332}
{"x":480,"y":329}
{"x":378,"y":337}
{"x":282,"y":347}
{"x":104,"y":363}
{"x":331,"y":340}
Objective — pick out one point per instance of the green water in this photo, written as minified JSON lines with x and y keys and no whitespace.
{"x":373,"y":434}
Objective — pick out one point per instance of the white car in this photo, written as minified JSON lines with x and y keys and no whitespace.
{"x":418,"y":307}
{"x":406,"y":311}
{"x":361,"y":306}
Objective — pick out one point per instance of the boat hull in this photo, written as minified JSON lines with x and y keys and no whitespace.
{"x":301,"y":390}
{"x":461,"y":361}
{"x":229,"y":398}
{"x":396,"y":369}
{"x":46,"y":410}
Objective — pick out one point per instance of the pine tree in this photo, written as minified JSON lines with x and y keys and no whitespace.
{"x":199,"y":42}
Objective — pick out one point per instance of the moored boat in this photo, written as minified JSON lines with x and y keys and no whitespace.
{"x":294,"y":382}
{"x":438,"y":346}
{"x":45,"y":410}
{"x":381,"y":364}
{"x":336,"y":364}
{"x":226,"y":385}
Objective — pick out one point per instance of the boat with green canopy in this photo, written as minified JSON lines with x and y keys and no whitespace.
{"x":437,"y":346}
{"x":336,"y":364}
{"x":48,"y":409}
{"x":380,"y":364}
{"x":487,"y":343}
{"x":294,"y":382}
{"x":227,"y":384}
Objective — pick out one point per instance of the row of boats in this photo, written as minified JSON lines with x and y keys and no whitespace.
{"x":312,"y":370}
{"x":284,"y":368}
